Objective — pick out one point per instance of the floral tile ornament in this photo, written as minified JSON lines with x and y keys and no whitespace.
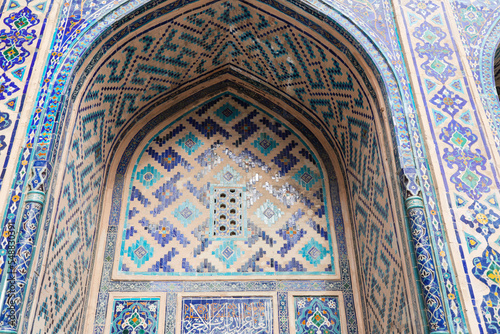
{"x":484,"y":220}
{"x":7,"y":87}
{"x":135,"y":316}
{"x":14,"y":39}
{"x":317,"y":315}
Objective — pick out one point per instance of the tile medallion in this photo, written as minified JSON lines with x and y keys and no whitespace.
{"x":132,"y":314}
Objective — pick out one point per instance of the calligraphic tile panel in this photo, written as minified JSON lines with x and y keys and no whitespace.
{"x":227,"y":315}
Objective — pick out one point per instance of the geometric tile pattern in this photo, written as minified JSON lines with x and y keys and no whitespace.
{"x":269,"y":213}
{"x":186,"y":213}
{"x":252,"y":315}
{"x":317,"y":314}
{"x":228,"y":242}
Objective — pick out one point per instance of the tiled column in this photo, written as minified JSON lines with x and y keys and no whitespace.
{"x":20,"y":259}
{"x":426,"y":266}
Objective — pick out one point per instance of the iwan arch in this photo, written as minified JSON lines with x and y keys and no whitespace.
{"x":213,"y":167}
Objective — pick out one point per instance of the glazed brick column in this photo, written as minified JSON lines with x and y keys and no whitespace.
{"x":20,"y":257}
{"x":426,"y":265}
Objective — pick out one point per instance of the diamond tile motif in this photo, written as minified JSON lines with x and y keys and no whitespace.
{"x":470,"y":178}
{"x":228,"y":175}
{"x":164,"y":232}
{"x":186,"y":213}
{"x":314,"y":252}
{"x":209,"y":158}
{"x":285,"y":160}
{"x":306,"y":177}
{"x":140,"y":252}
{"x":190,"y":143}
{"x":246,"y":128}
{"x":169,"y":159}
{"x":269,"y":213}
{"x":228,"y":253}
{"x":265,"y":143}
{"x":148,"y":176}
{"x":227,"y":112}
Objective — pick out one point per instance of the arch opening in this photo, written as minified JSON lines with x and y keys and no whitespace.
{"x":302,"y":72}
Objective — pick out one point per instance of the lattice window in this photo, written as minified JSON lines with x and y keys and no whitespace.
{"x":227,"y":212}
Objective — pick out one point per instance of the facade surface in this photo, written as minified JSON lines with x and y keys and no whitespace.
{"x":249,"y":166}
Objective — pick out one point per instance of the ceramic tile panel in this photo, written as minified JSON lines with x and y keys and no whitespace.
{"x":134,"y":313}
{"x":317,"y":314}
{"x":207,"y":202}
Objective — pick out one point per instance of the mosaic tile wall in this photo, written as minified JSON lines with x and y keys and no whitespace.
{"x":20,"y":33}
{"x":366,"y":143}
{"x":380,"y":12}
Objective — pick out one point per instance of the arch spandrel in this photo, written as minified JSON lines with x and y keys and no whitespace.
{"x":332,"y":93}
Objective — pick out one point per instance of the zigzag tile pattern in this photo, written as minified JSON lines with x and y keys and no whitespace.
{"x":289,"y":59}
